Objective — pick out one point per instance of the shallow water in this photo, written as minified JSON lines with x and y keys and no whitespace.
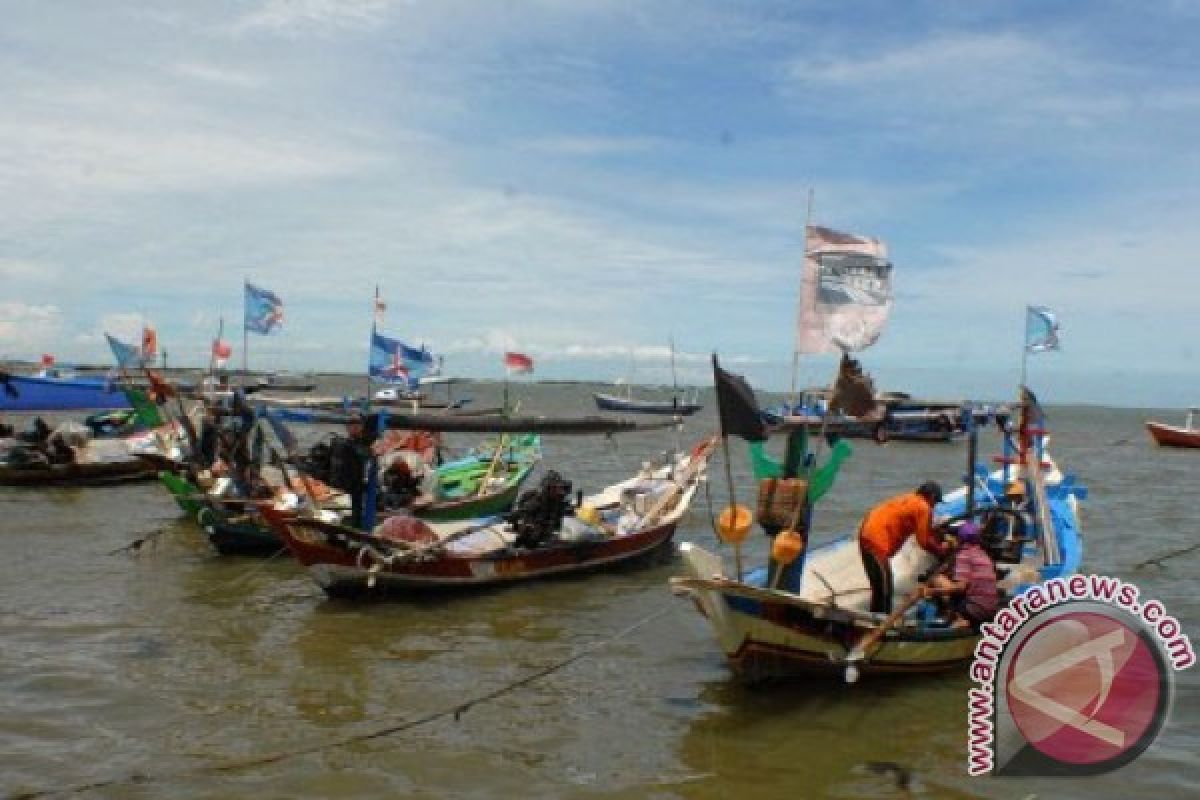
{"x":170,"y":662}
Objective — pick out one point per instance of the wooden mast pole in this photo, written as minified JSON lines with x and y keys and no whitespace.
{"x":800,"y":301}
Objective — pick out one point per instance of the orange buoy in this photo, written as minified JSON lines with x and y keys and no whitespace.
{"x":787,"y":547}
{"x":733,"y":526}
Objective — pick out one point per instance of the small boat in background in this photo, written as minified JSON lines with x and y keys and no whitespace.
{"x":58,"y":389}
{"x":285,"y":382}
{"x":71,"y":456}
{"x":1175,"y":436}
{"x":676,"y":406}
{"x":904,"y":418}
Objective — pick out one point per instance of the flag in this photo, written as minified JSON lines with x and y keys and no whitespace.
{"x":392,"y":361}
{"x":47,"y":360}
{"x":264,"y":310}
{"x":1041,"y":329}
{"x":379,"y":307}
{"x":845,"y":292}
{"x":518,"y":363}
{"x":737,"y":407}
{"x":149,"y":343}
{"x":128,"y":356}
{"x":221,"y":351}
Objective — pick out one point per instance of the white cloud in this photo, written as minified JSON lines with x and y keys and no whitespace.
{"x":223,"y":76}
{"x":284,"y":16}
{"x":26,"y":329}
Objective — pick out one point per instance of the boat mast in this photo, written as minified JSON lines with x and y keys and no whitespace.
{"x":799,"y":301}
{"x":245,"y":332}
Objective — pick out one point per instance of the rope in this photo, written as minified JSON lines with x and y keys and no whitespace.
{"x":136,"y":545}
{"x":455,"y":712}
{"x":1157,"y":560}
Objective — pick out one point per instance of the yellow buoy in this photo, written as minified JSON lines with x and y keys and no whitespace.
{"x":733,"y":526}
{"x":588,"y":514}
{"x":787,"y":547}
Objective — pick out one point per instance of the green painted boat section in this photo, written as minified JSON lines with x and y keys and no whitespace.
{"x":183,"y":492}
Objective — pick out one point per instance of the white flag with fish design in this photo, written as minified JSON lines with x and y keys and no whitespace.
{"x":845,"y":292}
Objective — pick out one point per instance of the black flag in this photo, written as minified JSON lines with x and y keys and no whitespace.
{"x":737,"y":407}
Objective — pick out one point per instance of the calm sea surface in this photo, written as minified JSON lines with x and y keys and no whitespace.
{"x":172,"y":662}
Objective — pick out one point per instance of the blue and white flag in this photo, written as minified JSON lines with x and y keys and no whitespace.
{"x":392,"y":361}
{"x":264,"y":310}
{"x":1041,"y":329}
{"x":128,"y":356}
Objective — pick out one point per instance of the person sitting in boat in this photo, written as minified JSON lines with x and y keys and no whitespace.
{"x":886,"y":528}
{"x":400,"y":478}
{"x":969,"y":590}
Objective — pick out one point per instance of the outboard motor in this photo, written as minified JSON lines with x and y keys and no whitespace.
{"x":540,"y":512}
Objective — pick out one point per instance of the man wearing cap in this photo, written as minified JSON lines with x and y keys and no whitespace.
{"x":349,"y":457}
{"x":971,"y":585}
{"x":886,"y":528}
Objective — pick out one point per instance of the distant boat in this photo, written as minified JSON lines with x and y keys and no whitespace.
{"x":905,"y":419}
{"x":1174,"y":436}
{"x":57,"y":389}
{"x":675,"y":406}
{"x":285,"y":382}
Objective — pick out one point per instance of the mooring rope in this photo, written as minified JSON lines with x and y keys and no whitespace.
{"x":455,"y":711}
{"x":1172,"y":554}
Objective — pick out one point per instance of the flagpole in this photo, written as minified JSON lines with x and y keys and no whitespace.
{"x":733,"y":506}
{"x":1024,"y":346}
{"x":800,"y":301}
{"x":212,"y":354}
{"x":245,"y":334}
{"x":370,"y":347}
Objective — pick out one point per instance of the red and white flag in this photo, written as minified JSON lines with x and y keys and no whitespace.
{"x":221,"y":351}
{"x":379,"y":307}
{"x":518,"y":363}
{"x":47,"y":359}
{"x":149,"y":343}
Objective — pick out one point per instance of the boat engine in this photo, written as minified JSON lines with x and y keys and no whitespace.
{"x":539,"y":512}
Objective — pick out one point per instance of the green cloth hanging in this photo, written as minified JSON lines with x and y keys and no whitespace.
{"x":762,"y":464}
{"x":146,"y":412}
{"x":822,"y":479}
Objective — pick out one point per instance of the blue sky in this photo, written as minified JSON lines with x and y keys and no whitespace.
{"x":581,"y":179}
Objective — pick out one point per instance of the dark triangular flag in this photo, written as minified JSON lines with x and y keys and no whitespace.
{"x":737,"y":407}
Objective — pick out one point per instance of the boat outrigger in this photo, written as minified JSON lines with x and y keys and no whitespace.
{"x":810,"y":615}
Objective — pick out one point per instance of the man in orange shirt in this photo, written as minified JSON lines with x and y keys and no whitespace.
{"x":884,"y":530}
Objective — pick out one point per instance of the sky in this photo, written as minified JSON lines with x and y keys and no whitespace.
{"x":587,"y":180}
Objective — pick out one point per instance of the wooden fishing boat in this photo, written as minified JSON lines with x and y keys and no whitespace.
{"x":483,"y":484}
{"x":1173,"y":435}
{"x":92,"y":461}
{"x":103,"y":473}
{"x":58,"y":391}
{"x":780,"y":620}
{"x":628,"y":520}
{"x":673,"y":407}
{"x":904,"y":419}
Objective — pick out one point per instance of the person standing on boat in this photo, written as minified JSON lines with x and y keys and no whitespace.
{"x":886,"y":528}
{"x":970,"y":588}
{"x":348,"y":460}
